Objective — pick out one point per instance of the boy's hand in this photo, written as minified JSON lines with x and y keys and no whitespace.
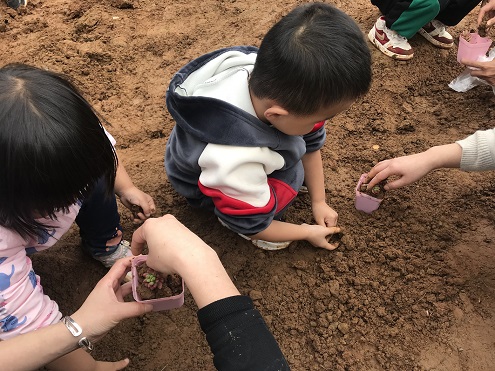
{"x":324,"y":215}
{"x":132,"y":197}
{"x":318,"y":235}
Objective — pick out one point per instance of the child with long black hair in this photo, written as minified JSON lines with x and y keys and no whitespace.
{"x":58,"y":165}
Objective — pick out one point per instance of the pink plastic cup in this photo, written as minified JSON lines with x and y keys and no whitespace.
{"x":476,"y":47}
{"x":170,"y":302}
{"x":365,"y":202}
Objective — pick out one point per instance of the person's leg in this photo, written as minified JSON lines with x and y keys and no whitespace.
{"x":99,"y":224}
{"x":435,"y":30}
{"x":390,"y":41}
{"x":456,"y":10}
{"x":407,"y":17}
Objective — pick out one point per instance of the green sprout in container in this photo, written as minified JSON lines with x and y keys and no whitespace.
{"x":152,"y":280}
{"x":376,"y":189}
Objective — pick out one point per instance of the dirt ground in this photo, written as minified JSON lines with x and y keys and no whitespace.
{"x":411,"y":286}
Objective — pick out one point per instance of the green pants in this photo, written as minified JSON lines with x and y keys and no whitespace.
{"x":406,"y":17}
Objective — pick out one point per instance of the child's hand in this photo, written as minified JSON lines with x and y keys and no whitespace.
{"x":111,"y":366}
{"x":324,"y":215}
{"x":319,"y":236}
{"x":408,"y":168}
{"x":132,"y":197}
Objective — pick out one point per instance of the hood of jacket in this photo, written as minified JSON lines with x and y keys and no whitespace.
{"x":213,"y":120}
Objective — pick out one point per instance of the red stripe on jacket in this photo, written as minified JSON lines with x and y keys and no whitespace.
{"x":232,"y":206}
{"x":318,"y":126}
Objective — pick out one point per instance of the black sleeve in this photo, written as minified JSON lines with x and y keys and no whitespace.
{"x":239,"y":338}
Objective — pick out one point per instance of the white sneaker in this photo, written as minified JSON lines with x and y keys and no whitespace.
{"x":264,"y":245}
{"x":123,"y":250}
{"x":267,"y":245}
{"x":390,"y":42}
{"x":436,"y":34}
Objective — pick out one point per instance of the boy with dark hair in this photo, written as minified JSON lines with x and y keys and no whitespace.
{"x":250,"y":124}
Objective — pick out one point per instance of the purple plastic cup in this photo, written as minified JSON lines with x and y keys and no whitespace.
{"x":365,"y":202}
{"x":170,"y":302}
{"x":476,"y":47}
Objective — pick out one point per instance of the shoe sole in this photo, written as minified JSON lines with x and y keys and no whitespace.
{"x":384,"y":50}
{"x":432,"y":40}
{"x":267,"y":245}
{"x":264,"y":245}
{"x":270,"y":246}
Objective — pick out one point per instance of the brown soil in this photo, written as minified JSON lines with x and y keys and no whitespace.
{"x":162,"y":287}
{"x":411,"y":287}
{"x":377,"y":191}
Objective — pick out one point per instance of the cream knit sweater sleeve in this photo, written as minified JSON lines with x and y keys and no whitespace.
{"x":478,"y":151}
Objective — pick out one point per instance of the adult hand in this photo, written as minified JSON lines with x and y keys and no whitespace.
{"x":172,"y":248}
{"x":105,"y":307}
{"x":169,"y":243}
{"x":408,"y":168}
{"x":483,"y":70}
{"x":413,"y":167}
{"x":488,"y":11}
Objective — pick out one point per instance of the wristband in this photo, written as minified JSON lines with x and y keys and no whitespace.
{"x":76,"y":331}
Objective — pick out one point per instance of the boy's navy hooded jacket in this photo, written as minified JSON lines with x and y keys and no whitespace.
{"x":220,"y":155}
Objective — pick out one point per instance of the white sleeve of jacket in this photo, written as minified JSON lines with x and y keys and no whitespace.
{"x":478,"y":151}
{"x":239,"y":172}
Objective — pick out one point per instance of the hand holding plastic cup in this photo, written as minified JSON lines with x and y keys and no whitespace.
{"x":167,"y":303}
{"x":363,"y":201}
